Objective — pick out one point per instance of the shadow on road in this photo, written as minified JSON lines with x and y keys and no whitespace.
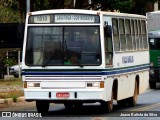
{"x":88,"y":111}
{"x":84,"y":111}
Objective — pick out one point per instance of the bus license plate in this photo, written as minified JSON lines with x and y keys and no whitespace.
{"x":62,"y":95}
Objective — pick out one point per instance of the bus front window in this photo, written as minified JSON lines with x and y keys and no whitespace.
{"x":63,"y":46}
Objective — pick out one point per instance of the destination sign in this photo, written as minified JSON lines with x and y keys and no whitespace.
{"x":42,"y":19}
{"x":74,"y":18}
{"x":63,"y":18}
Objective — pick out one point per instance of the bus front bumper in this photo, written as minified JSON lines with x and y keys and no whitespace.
{"x":64,"y":95}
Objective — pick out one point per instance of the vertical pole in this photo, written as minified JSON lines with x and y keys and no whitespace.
{"x":19,"y":72}
{"x":74,"y":3}
{"x":156,"y":6}
{"x":7,"y":65}
{"x":89,"y":1}
{"x":28,"y":6}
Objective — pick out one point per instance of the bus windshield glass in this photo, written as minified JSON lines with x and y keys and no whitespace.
{"x":63,"y":45}
{"x":154,"y":43}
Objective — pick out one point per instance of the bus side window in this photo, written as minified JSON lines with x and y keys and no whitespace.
{"x":108,"y":45}
{"x":122,"y":35}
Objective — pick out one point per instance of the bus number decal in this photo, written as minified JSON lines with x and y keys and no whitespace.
{"x":127,"y":59}
{"x":42,"y":19}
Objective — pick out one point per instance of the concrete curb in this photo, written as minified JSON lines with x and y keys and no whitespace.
{"x":10,"y":100}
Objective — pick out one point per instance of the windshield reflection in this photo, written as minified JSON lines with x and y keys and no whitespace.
{"x":48,"y":46}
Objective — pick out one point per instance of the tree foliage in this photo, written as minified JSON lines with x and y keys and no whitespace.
{"x":142,"y":3}
{"x":7,"y":14}
{"x":12,"y":11}
{"x":8,"y":62}
{"x":15,"y":10}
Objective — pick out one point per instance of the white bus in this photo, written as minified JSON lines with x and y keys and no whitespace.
{"x":82,"y":56}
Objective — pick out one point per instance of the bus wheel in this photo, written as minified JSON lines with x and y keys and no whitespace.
{"x":152,"y":84}
{"x":42,"y":106}
{"x":108,"y":106}
{"x":132,"y":101}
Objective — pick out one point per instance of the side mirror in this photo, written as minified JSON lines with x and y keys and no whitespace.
{"x":107,"y":30}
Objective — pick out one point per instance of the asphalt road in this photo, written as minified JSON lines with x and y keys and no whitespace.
{"x":148,"y":107}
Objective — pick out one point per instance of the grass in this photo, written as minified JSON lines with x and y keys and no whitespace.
{"x":11,"y":94}
{"x":11,"y":83}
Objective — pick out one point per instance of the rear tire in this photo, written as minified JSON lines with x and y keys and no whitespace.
{"x":42,"y":106}
{"x":132,"y":101}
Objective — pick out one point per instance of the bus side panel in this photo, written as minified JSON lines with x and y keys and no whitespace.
{"x":125,"y":86}
{"x":130,"y":65}
{"x":108,"y":88}
{"x":144,"y":81}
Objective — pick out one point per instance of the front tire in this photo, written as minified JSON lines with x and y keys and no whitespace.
{"x":16,"y":76}
{"x":42,"y":106}
{"x":108,"y":106}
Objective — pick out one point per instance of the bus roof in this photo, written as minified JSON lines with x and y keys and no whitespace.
{"x":85,"y":12}
{"x":154,"y":12}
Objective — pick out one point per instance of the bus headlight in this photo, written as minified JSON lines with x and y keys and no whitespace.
{"x":32,"y":85}
{"x":151,"y":72}
{"x":151,"y":64}
{"x":95,"y":84}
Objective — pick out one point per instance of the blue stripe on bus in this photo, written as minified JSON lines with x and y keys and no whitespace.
{"x":100,"y":72}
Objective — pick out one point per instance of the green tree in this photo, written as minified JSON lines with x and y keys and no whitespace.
{"x":15,"y":10}
{"x":8,"y":13}
{"x":142,"y":3}
{"x":9,"y":62}
{"x":12,"y":11}
{"x":120,"y":5}
{"x":141,"y":6}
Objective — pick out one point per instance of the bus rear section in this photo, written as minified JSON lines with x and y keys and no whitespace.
{"x":154,"y":42}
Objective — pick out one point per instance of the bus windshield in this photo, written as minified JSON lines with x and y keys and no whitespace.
{"x":154,"y":43}
{"x":63,"y":45}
